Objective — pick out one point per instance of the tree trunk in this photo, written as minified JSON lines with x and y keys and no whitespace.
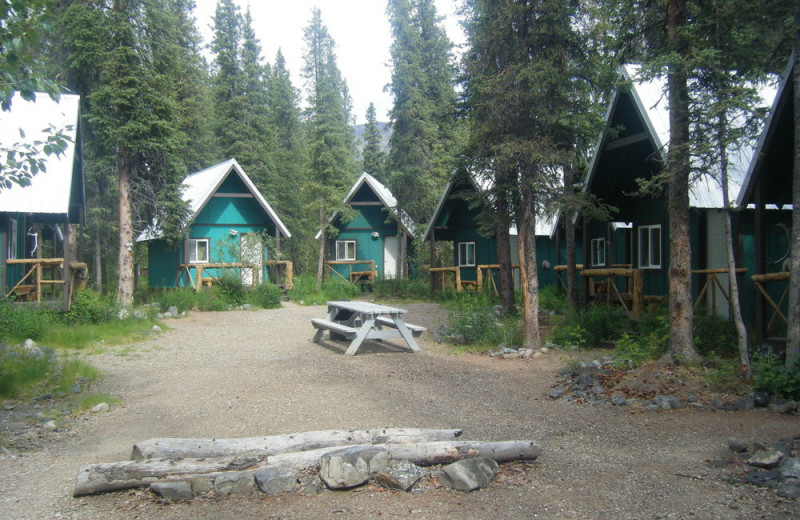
{"x":572,"y":271}
{"x":681,"y":346}
{"x":98,"y":263}
{"x":527,"y":268}
{"x":793,"y":326}
{"x":97,"y":478}
{"x":506,"y":274}
{"x":271,"y":445}
{"x":125,"y":274}
{"x":323,"y":239}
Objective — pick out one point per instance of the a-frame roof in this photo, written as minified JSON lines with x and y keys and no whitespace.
{"x":544,"y":226}
{"x":60,"y":186}
{"x":772,"y":162}
{"x":650,"y":105}
{"x":384,"y":196}
{"x":199,"y":187}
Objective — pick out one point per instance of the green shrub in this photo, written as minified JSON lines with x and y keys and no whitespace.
{"x":73,"y":370}
{"x":337,"y":289}
{"x":303,"y":289}
{"x":19,"y":372}
{"x":89,"y":306}
{"x":588,"y":328}
{"x":182,"y":298}
{"x":211,"y":299}
{"x":402,"y":288}
{"x":472,"y":319}
{"x":551,"y":299}
{"x":266,"y":296}
{"x":17,"y":324}
{"x":772,"y":376}
{"x":230,"y":289}
{"x":714,"y":334}
{"x":632,"y":351}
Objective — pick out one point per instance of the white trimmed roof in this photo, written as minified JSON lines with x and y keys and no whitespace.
{"x":49,"y":191}
{"x":653,"y":107}
{"x":384,"y":195}
{"x":199,"y":187}
{"x":544,"y":225}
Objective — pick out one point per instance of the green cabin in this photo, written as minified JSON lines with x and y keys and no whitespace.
{"x":378,"y":232}
{"x":632,"y":147}
{"x":34,"y":219}
{"x":766,"y":217}
{"x":457,"y":219}
{"x":229,"y":222}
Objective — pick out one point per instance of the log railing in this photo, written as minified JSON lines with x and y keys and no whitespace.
{"x":711,"y":282}
{"x":361,"y":276}
{"x":760,"y":279}
{"x":203,"y":278}
{"x":489,"y":281}
{"x":37,"y":281}
{"x":283,"y":269}
{"x":608,"y":287}
{"x":439,"y":277}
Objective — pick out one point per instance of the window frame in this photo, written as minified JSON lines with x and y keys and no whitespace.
{"x":468,"y":246}
{"x":193,"y":243}
{"x":346,"y":243}
{"x":650,"y":262}
{"x":595,"y":261}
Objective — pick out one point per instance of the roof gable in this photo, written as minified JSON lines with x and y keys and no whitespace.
{"x":58,"y":188}
{"x":200,"y":187}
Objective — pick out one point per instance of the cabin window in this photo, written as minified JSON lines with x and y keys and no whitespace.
{"x":12,"y":238}
{"x":650,"y":247}
{"x":466,"y":254}
{"x":198,"y":251}
{"x":598,"y":251}
{"x":345,"y":250}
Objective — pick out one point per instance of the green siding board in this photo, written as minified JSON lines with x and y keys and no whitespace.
{"x":162,"y":264}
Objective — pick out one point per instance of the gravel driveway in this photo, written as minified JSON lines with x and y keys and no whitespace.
{"x":254,"y":373}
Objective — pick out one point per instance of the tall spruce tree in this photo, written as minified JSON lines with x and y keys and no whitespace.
{"x":530,"y":113}
{"x":331,"y":164}
{"x":422,"y":145}
{"x":372,"y":156}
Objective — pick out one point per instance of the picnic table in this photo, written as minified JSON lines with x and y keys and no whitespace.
{"x":357,"y":321}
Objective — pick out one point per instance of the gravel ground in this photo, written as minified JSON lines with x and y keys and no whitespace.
{"x":254,"y":373}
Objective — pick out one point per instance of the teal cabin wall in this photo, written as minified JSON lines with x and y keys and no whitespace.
{"x":221,"y":215}
{"x":370,"y":217}
{"x":777,"y":222}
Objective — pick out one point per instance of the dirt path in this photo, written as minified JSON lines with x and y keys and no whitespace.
{"x":251,"y":373}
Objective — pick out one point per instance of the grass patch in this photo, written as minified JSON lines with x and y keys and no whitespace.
{"x":90,"y":401}
{"x":304,"y":290}
{"x":20,"y":374}
{"x":73,"y":371}
{"x":78,"y":337}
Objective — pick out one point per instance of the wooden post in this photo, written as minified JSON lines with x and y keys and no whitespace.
{"x":760,"y":260}
{"x":198,"y":283}
{"x":458,"y":279}
{"x":637,"y":294}
{"x":480,"y":277}
{"x":289,"y":272}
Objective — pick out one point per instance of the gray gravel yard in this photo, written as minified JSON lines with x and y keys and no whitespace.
{"x":255,"y":373}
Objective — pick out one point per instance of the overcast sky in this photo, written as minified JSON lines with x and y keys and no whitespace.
{"x":359,"y":28}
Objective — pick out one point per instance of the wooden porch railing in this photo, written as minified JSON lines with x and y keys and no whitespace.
{"x":607,"y":287}
{"x":711,"y":282}
{"x":281,"y":265}
{"x":35,"y":276}
{"x":439,"y":277}
{"x":284,"y":269}
{"x":760,"y":279}
{"x":364,"y":276}
{"x":490,"y":283}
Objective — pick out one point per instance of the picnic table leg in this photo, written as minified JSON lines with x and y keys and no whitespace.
{"x":407,"y":335}
{"x":317,"y":335}
{"x":361,"y":336}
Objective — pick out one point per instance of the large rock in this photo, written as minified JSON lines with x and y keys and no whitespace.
{"x":401,"y":474}
{"x":350,"y":467}
{"x":274,"y":481}
{"x":468,"y":474}
{"x":172,"y":490}
{"x":790,"y":468}
{"x":235,"y":483}
{"x":668,"y":402}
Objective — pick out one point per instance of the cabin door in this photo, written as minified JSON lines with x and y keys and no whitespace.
{"x":252,"y":252}
{"x":391,"y":251}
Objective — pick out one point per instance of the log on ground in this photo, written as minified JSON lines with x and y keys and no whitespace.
{"x":98,"y":478}
{"x":169,"y":448}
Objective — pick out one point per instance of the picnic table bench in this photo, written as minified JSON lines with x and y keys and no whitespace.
{"x":357,"y":321}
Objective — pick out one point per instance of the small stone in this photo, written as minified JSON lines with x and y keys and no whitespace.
{"x":790,"y":468}
{"x":782,"y":406}
{"x":737,"y":445}
{"x":234,"y":482}
{"x":468,"y":474}
{"x":156,"y":328}
{"x":668,"y":402}
{"x":276,"y":480}
{"x":43,"y":397}
{"x":173,"y":310}
{"x":788,"y":489}
{"x":760,"y":399}
{"x":718,"y":464}
{"x":172,"y":490}
{"x":744,"y":404}
{"x":350,"y":467}
{"x":555,"y":394}
{"x":50,"y":426}
{"x":514,"y":355}
{"x":766,"y":459}
{"x":401,"y":474}
{"x":618,"y":401}
{"x":764,"y":478}
{"x":202,"y":485}
{"x":101,"y":407}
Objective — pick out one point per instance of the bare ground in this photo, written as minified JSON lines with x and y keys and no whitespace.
{"x":253,"y":373}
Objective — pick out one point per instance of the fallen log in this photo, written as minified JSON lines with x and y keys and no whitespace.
{"x":265,"y":446}
{"x":98,"y":478}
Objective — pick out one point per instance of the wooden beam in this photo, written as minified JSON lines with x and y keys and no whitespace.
{"x":625,"y":141}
